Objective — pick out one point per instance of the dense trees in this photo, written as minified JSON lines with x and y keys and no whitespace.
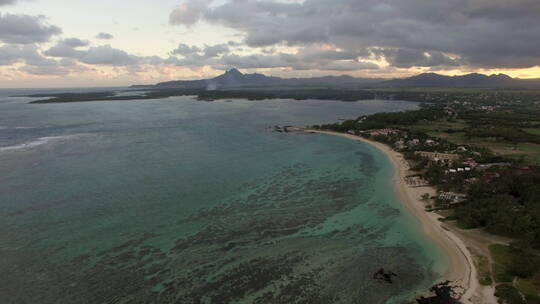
{"x":508,"y":205}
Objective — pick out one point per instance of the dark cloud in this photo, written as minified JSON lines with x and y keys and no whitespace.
{"x":107,"y":55}
{"x":189,"y":12}
{"x":104,"y":36}
{"x":10,"y":54}
{"x":34,"y":62}
{"x":66,"y":48}
{"x":475,"y":33}
{"x":102,"y":55}
{"x":221,"y":56}
{"x":7,"y":2}
{"x":25,"y":29}
{"x":406,"y":58}
{"x":98,"y":55}
{"x":185,"y":50}
{"x":215,"y":50}
{"x":290,"y":61}
{"x":194,"y":56}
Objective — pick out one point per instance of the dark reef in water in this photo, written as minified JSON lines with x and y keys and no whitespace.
{"x":384,"y":276}
{"x":253,"y":248}
{"x":443,"y":293}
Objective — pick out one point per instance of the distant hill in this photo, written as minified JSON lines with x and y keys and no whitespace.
{"x":235,"y":79}
{"x":469,"y":80}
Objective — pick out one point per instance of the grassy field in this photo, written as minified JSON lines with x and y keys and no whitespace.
{"x":454,"y":131}
{"x":528,"y":287}
{"x":529,"y":151}
{"x":484,"y":270}
{"x":440,"y":127}
{"x":535,"y":131}
{"x":502,"y":257}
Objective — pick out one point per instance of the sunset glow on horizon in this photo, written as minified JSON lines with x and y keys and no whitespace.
{"x":104,"y":43}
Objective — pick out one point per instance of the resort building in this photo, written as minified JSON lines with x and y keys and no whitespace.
{"x":446,"y":158}
{"x":383,"y":132}
{"x":452,"y":198}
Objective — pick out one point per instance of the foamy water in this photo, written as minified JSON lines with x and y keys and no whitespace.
{"x":38,"y":142}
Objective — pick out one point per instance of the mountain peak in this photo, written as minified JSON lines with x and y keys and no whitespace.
{"x":234,"y":72}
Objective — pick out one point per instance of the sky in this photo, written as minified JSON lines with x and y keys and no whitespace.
{"x":81,"y":43}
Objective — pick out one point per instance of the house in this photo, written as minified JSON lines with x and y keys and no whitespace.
{"x":446,"y":158}
{"x":489,"y":166}
{"x":400,"y":144}
{"x":416,"y":181}
{"x":471,"y":163}
{"x":413,"y":142}
{"x":452,"y":198}
{"x":383,"y":132}
{"x":458,"y":170}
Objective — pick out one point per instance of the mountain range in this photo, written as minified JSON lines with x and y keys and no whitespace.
{"x":235,"y":79}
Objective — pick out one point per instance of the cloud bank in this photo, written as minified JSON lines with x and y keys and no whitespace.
{"x":407,"y":33}
{"x":353,"y":36}
{"x":25,"y":29}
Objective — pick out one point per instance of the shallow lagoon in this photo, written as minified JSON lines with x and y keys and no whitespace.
{"x":183,"y":201}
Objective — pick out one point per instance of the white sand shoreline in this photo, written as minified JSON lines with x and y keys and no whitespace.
{"x":461,"y":270}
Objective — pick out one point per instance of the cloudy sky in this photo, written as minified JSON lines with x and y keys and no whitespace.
{"x":61,"y":43}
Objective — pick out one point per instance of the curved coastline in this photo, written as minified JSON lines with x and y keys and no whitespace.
{"x":461,"y":269}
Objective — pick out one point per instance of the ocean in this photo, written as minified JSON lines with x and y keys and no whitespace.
{"x":185,"y":201}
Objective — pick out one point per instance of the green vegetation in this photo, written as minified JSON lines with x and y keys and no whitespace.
{"x":484,"y":270}
{"x":208,"y":95}
{"x":502,"y":259}
{"x":509,"y":295}
{"x":511,"y":265}
{"x":299,"y":94}
{"x":529,"y":288}
{"x":535,"y":131}
{"x":515,"y":266}
{"x":435,"y":96}
{"x":110,"y":96}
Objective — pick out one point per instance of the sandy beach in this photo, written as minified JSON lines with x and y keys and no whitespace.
{"x":461,"y":270}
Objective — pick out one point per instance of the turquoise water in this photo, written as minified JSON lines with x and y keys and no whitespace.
{"x":183,"y":201}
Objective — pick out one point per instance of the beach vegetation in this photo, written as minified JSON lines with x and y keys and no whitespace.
{"x":509,"y":295}
{"x":529,"y":287}
{"x":483,"y":267}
